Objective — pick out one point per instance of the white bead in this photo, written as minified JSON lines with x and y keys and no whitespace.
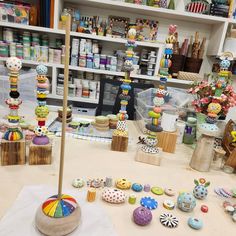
{"x":13,"y":64}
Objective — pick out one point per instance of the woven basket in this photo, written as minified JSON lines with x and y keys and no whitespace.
{"x":192,"y":65}
{"x":189,"y":76}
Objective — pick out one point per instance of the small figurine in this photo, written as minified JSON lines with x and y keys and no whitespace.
{"x":186,"y":202}
{"x":200,"y":191}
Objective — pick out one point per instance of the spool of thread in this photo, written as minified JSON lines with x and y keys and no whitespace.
{"x":91,"y":195}
{"x":132,"y":199}
{"x":146,"y":188}
{"x":108,"y":182}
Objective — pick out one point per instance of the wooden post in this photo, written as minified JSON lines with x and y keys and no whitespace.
{"x":13,"y":152}
{"x":119,"y":143}
{"x":40,"y":154}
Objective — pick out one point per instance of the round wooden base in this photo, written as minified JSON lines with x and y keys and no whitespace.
{"x":57,"y":226}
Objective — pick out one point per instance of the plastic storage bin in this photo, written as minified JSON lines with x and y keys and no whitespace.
{"x":141,"y":121}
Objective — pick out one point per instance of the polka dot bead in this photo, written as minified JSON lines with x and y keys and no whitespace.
{"x":142,"y":216}
{"x":200,"y":192}
{"x":41,"y":130}
{"x":13,"y":64}
{"x":113,"y":195}
{"x":41,"y":70}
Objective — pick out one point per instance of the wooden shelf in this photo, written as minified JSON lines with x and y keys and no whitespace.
{"x":76,"y":99}
{"x":151,"y":11}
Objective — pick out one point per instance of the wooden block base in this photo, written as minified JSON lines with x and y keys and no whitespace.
{"x":167,"y":141}
{"x":13,"y":152}
{"x":152,"y":159}
{"x":231,"y":161}
{"x":119,"y":143}
{"x":40,"y":154}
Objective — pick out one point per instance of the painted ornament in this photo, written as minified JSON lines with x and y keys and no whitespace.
{"x":113,"y":195}
{"x":195,"y":223}
{"x":137,"y":187}
{"x":142,"y":216}
{"x":149,"y":203}
{"x":186,"y":202}
{"x":78,"y":183}
{"x":168,"y":220}
{"x":200,"y":190}
{"x":123,"y":184}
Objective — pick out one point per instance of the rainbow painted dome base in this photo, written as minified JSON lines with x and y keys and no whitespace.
{"x":57,"y":226}
{"x":55,"y":208}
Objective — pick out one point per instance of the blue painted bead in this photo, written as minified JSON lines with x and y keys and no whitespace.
{"x":125,"y":87}
{"x":41,"y":69}
{"x":195,"y":223}
{"x":137,"y":187}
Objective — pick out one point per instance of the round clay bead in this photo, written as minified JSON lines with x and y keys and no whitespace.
{"x":157,"y":190}
{"x":123,"y":184}
{"x":147,"y":188}
{"x":153,"y":114}
{"x":41,"y":140}
{"x":157,"y":109}
{"x":195,"y":223}
{"x":13,"y":64}
{"x":78,"y":183}
{"x":204,"y":208}
{"x":41,"y":69}
{"x":137,"y":187}
{"x":169,"y":192}
{"x":112,"y":195}
{"x":142,"y":216}
{"x":169,"y":204}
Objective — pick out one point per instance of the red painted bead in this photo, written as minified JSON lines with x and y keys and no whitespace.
{"x":41,"y":123}
{"x":204,"y":208}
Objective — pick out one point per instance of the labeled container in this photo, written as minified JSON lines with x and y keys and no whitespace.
{"x":44,"y":53}
{"x":3,"y":49}
{"x":57,"y":56}
{"x":74,"y":60}
{"x":190,"y":130}
{"x":75,"y":47}
{"x":35,"y":39}
{"x":19,"y":51}
{"x":82,"y":60}
{"x":26,"y":38}
{"x":71,"y":90}
{"x":12,"y":49}
{"x":50,"y":55}
{"x":96,"y":61}
{"x":26,"y":52}
{"x":180,"y":127}
{"x":8,"y":35}
{"x":89,"y":60}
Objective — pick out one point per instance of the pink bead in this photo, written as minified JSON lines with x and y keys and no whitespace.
{"x":157,"y":109}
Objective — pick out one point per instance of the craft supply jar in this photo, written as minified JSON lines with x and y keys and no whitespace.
{"x":103,"y":62}
{"x":12,"y":49}
{"x":71,"y":90}
{"x":89,"y":60}
{"x":37,"y":52}
{"x":82,"y":46}
{"x":26,"y":52}
{"x":74,"y":61}
{"x":82,"y":60}
{"x":95,"y":47}
{"x":75,"y":47}
{"x":60,"y":79}
{"x":35,"y":39}
{"x":57,"y":56}
{"x":85,"y":92}
{"x":44,"y":53}
{"x":45,"y":41}
{"x":150,"y":72}
{"x":19,"y":51}
{"x":8,"y":35}
{"x":26,"y":38}
{"x":180,"y":127}
{"x":50,"y":55}
{"x":96,"y":61}
{"x":190,"y":131}
{"x":88,"y":46}
{"x":3,"y":49}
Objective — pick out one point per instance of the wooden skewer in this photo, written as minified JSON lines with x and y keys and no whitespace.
{"x":65,"y":96}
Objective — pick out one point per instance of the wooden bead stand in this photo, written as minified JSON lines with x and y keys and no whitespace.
{"x":119,"y":143}
{"x":167,"y":141}
{"x":13,"y":152}
{"x":40,"y":154}
{"x":152,"y":159}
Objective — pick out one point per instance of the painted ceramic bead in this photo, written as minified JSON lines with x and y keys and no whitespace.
{"x":157,"y":190}
{"x":132,"y":199}
{"x":142,"y":216}
{"x":186,"y":202}
{"x":41,"y":140}
{"x":113,"y":195}
{"x":153,"y":128}
{"x":123,"y":184}
{"x":204,"y":208}
{"x":158,"y":101}
{"x":78,"y":183}
{"x":41,"y":130}
{"x":195,"y":223}
{"x":149,"y":203}
{"x":91,"y":195}
{"x":108,"y":182}
{"x":157,"y":109}
{"x":41,"y":111}
{"x":169,"y":192}
{"x":147,"y":188}
{"x":169,"y":204}
{"x":13,"y":64}
{"x":153,"y":114}
{"x":169,"y":220}
{"x":41,"y":70}
{"x":200,"y":191}
{"x":151,"y":141}
{"x":137,"y":187}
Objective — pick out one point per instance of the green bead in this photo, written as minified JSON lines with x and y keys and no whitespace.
{"x":154,"y":114}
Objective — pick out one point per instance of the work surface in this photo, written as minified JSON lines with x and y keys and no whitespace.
{"x":86,"y":159}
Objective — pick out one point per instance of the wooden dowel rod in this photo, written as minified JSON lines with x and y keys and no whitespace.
{"x":65,"y":95}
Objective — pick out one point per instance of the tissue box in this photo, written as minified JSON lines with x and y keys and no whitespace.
{"x":14,"y":13}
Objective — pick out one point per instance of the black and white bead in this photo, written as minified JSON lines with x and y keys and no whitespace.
{"x":169,"y":220}
{"x":149,"y":149}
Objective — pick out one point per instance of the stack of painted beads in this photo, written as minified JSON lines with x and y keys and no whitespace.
{"x":41,"y":111}
{"x":13,"y":132}
{"x":166,"y":60}
{"x":121,"y":128}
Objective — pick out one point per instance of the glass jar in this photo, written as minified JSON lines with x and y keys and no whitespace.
{"x":190,"y":130}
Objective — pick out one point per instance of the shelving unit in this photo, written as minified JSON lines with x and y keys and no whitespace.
{"x":212,"y":27}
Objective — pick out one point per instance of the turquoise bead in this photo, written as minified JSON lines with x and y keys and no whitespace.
{"x":41,"y":70}
{"x":195,"y":223}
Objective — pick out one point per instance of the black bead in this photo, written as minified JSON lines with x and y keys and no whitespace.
{"x":14,"y":94}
